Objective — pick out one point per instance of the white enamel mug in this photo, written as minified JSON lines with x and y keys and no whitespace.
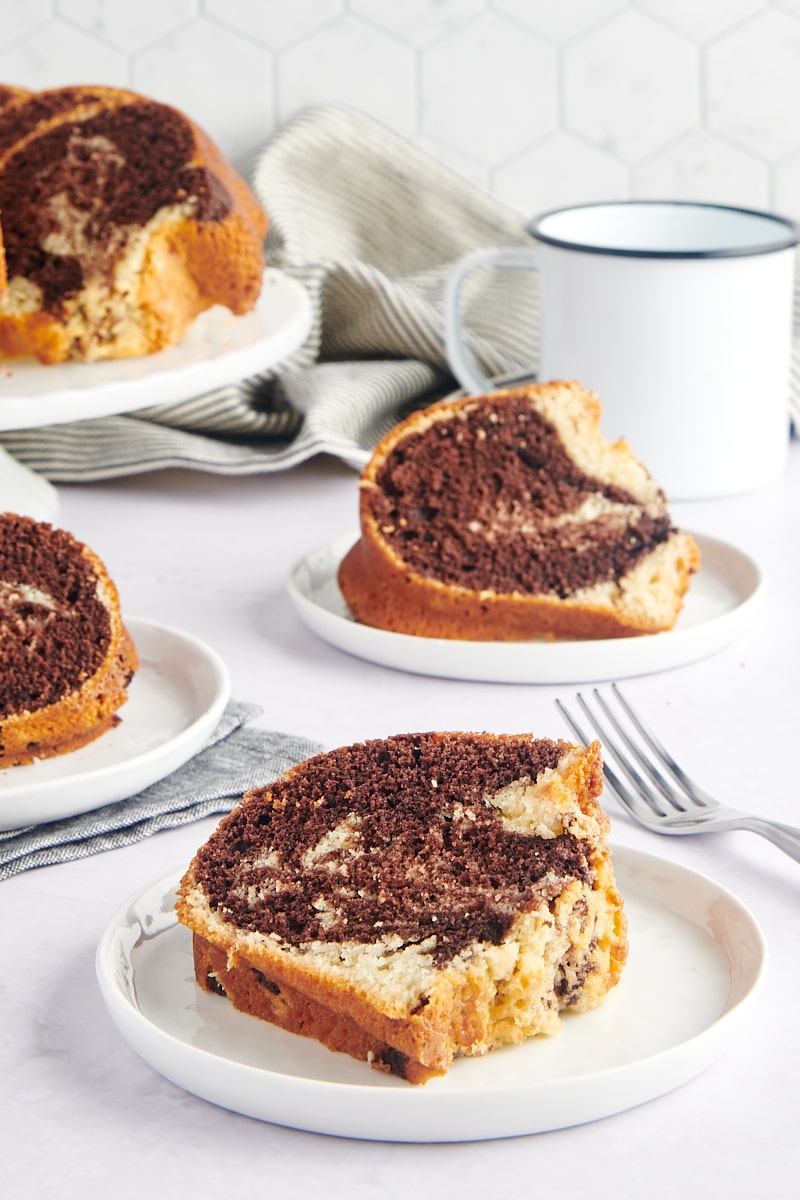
{"x":679,"y":316}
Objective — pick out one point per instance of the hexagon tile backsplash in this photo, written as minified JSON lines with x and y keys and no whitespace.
{"x":539,"y":102}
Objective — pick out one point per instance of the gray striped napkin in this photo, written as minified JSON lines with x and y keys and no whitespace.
{"x":371,"y":225}
{"x":233,"y":760}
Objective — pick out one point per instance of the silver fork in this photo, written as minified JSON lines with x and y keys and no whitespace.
{"x":661,"y":797}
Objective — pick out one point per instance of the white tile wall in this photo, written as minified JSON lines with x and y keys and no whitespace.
{"x":541,"y":102}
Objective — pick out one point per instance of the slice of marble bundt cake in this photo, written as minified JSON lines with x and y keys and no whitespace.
{"x":414,"y":899}
{"x":510,"y":517}
{"x":65,"y":654}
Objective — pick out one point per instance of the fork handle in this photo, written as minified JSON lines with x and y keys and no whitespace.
{"x":785,"y":837}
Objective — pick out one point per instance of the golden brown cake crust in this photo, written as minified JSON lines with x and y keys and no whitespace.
{"x":383,"y":590}
{"x":294,"y":1010}
{"x":385,"y":997}
{"x":113,"y":249}
{"x":87,"y":705}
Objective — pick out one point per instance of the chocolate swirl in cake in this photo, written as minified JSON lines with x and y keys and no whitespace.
{"x":66,"y":659}
{"x":73,"y":198}
{"x":396,"y":839}
{"x":491,"y":495}
{"x":54,"y":631}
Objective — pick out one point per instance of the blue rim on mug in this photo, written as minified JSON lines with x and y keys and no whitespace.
{"x":787,"y":232}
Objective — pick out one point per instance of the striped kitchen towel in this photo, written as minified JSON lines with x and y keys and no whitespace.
{"x":371,"y":225}
{"x":235,"y":758}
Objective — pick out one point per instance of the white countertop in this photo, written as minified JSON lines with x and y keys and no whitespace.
{"x":81,"y":1115}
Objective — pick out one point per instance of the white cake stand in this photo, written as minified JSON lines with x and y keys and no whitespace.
{"x":218,"y":349}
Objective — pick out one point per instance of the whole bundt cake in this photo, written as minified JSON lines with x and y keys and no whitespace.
{"x":122,"y":221}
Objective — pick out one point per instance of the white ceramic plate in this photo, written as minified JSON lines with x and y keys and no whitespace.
{"x":722,"y":600}
{"x":696,"y":961}
{"x":175,"y":701}
{"x":218,"y":349}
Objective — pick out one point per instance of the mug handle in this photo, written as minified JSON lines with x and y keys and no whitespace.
{"x":459,"y":358}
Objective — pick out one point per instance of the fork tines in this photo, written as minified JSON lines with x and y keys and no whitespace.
{"x":637,"y":753}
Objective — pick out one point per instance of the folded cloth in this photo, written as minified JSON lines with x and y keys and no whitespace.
{"x":233,"y":760}
{"x":371,"y":225}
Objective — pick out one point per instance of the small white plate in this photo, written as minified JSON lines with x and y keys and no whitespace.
{"x":219,"y":348}
{"x":697,"y":959}
{"x":175,"y":701}
{"x":722,"y":600}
